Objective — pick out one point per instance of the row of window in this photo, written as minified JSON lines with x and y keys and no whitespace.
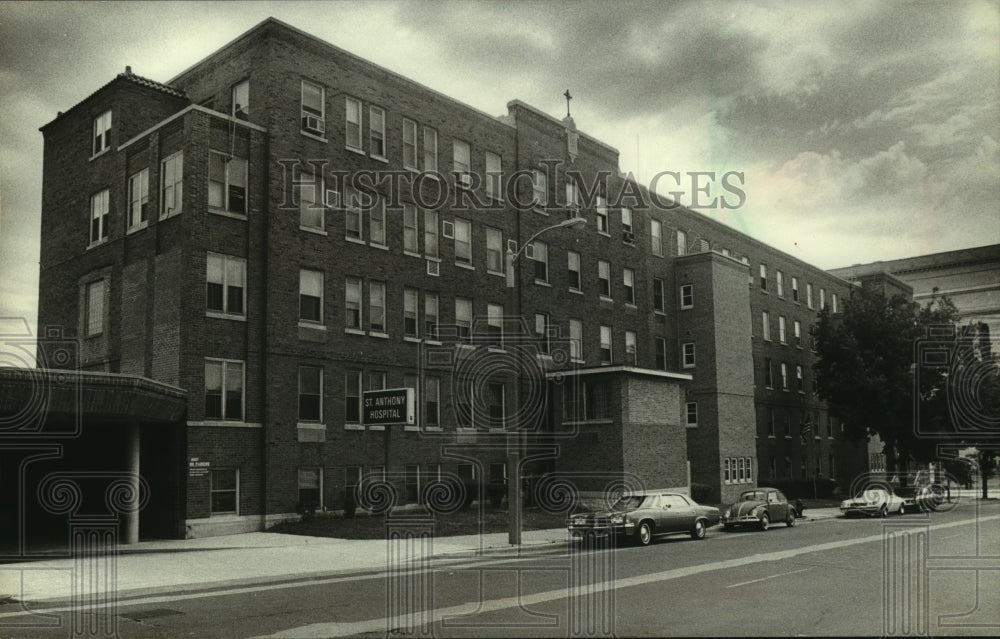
{"x":808,"y":424}
{"x":788,"y":468}
{"x":783,"y":372}
{"x":782,"y":329}
{"x":780,"y":290}
{"x":737,"y":470}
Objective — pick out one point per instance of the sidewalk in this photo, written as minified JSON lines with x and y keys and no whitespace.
{"x":154,"y":567}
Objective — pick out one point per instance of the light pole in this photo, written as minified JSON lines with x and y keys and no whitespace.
{"x":515,"y":438}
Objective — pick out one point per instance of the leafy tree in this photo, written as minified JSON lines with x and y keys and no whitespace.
{"x":865,"y":370}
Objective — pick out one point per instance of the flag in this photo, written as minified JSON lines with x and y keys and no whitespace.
{"x":804,"y":430}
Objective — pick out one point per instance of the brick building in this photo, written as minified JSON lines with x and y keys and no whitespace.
{"x":285,"y":226}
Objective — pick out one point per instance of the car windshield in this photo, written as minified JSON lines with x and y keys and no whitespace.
{"x":753,"y":495}
{"x":629,"y":503}
{"x":872,"y":494}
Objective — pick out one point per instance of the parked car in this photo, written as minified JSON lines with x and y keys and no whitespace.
{"x":921,"y":499}
{"x":759,"y":507}
{"x":873,"y":501}
{"x":643,"y":515}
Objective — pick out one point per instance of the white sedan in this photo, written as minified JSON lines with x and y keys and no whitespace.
{"x":873,"y":501}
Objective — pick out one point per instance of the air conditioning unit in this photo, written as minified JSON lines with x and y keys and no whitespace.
{"x":333,"y":198}
{"x":433,"y":268}
{"x":448,"y":230}
{"x":628,"y":237}
{"x":313,"y":124}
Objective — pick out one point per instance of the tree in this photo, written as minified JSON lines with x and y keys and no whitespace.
{"x":865,"y":370}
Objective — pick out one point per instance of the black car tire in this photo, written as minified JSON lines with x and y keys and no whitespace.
{"x":883,"y":512}
{"x":698,"y":532}
{"x":765,"y":521}
{"x":644,"y":534}
{"x":790,"y":521}
{"x":902,"y":509}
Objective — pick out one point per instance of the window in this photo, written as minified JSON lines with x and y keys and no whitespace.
{"x":768,"y":377}
{"x":352,"y":397}
{"x":102,"y":133}
{"x":376,"y":130}
{"x":432,"y":401}
{"x":409,"y":144}
{"x":94,"y":317}
{"x":795,"y":289}
{"x":463,"y":316}
{"x":376,"y":307}
{"x":658,"y":295}
{"x":822,"y":299}
{"x":352,"y":214}
{"x":628,"y":279}
{"x":411,"y":482}
{"x":352,"y":126}
{"x":682,"y":241}
{"x":630,"y":350}
{"x":687,"y":296}
{"x":430,"y":234}
{"x":597,"y":399}
{"x":496,"y":402}
{"x":310,"y":189}
{"x":626,"y":219}
{"x":779,"y":280}
{"x":225,"y":278}
{"x":494,"y":323}
{"x":660,"y":347}
{"x":541,"y":259}
{"x":138,"y":200}
{"x":770,"y":422}
{"x":832,"y":472}
{"x":763,"y":277}
{"x":540,"y":189}
{"x":463,"y":242}
{"x":431,"y":315}
{"x":781,"y":329}
{"x":410,"y":296}
{"x":430,"y":149}
{"x":352,"y":303}
{"x":376,"y":223}
{"x":542,"y":332}
{"x":311,"y":296}
{"x":461,"y":162}
{"x":833,"y":302}
{"x":494,"y":189}
{"x":573,"y":270}
{"x":726,"y":472}
{"x":784,"y":376}
{"x":410,"y":238}
{"x":601,"y":209}
{"x":688,"y":350}
{"x":765,"y":320}
{"x":797,"y":329}
{"x":656,"y":236}
{"x":224,"y":490}
{"x":604,"y":278}
{"x":494,"y":250}
{"x":606,"y":344}
{"x":313,"y":108}
{"x":310,"y":494}
{"x":227,"y":183}
{"x":310,"y":393}
{"x":741,"y":464}
{"x":800,"y":382}
{"x":241,"y":100}
{"x":99,"y":211}
{"x":223,"y":389}
{"x":576,"y":340}
{"x":809,"y":294}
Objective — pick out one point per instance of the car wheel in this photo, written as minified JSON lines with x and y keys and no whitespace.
{"x":644,"y":534}
{"x":698,"y":532}
{"x":765,"y":521}
{"x":901,"y":510}
{"x":791,"y":519}
{"x":884,"y":511}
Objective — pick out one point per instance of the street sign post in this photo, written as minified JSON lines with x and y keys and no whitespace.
{"x":385,"y":408}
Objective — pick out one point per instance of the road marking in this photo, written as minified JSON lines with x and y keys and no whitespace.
{"x":753,"y":581}
{"x":440,"y":615}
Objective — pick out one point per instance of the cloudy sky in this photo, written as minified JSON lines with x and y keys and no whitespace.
{"x":865,"y":130}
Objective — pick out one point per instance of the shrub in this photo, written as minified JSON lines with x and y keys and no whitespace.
{"x":350,"y":506}
{"x":471,"y":492}
{"x":495,"y":491}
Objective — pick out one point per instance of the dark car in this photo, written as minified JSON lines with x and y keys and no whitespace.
{"x":921,"y":499}
{"x":643,"y":515}
{"x":759,"y":508}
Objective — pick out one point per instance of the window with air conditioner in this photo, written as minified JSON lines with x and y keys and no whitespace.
{"x":313,"y":108}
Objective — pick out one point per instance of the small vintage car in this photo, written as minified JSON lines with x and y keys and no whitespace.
{"x":874,"y":501}
{"x":759,"y":507}
{"x":641,"y":516}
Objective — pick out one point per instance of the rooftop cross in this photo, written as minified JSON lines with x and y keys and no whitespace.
{"x":568,"y":98}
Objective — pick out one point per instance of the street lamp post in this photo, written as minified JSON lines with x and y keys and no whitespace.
{"x":515,"y":438}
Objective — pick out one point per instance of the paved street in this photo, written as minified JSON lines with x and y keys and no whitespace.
{"x":913,"y":574}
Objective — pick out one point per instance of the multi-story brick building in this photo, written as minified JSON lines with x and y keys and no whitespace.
{"x":285,"y":226}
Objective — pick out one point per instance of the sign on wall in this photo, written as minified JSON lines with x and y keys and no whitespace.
{"x":389,"y":406}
